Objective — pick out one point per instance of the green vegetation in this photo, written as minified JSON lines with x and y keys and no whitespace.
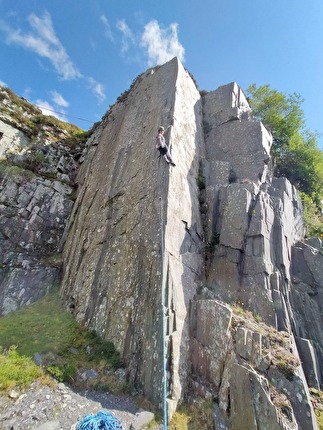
{"x":312,"y":216}
{"x":239,"y":310}
{"x":295,"y":151}
{"x":193,"y":79}
{"x":6,"y":168}
{"x":16,"y":370}
{"x":20,"y":102}
{"x":65,"y":348}
{"x":215,"y":240}
{"x":179,"y":421}
{"x":281,"y":114}
{"x":286,"y":362}
{"x":203,"y":93}
{"x":280,"y":400}
{"x":200,"y":178}
{"x":40,"y":327}
{"x":122,"y":98}
{"x":196,"y":416}
{"x":53,"y":260}
{"x":25,"y":115}
{"x":280,"y":344}
{"x":49,"y":120}
{"x":317,"y":402}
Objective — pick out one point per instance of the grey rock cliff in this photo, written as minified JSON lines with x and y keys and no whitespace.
{"x":226,"y":243}
{"x":243,"y":289}
{"x":127,"y":193}
{"x":37,"y":170}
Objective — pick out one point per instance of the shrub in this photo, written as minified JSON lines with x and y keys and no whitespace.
{"x":17,"y":370}
{"x":312,"y":216}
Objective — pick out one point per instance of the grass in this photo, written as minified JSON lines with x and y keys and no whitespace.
{"x":280,"y":342}
{"x":179,"y":421}
{"x":35,"y":118}
{"x":195,"y":416}
{"x":40,"y":327}
{"x":66,"y":349}
{"x":245,"y":313}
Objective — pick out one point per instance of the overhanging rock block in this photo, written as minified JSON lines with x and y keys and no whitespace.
{"x":227,"y":103}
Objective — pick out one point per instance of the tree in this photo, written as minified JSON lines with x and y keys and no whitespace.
{"x":295,"y":152}
{"x":280,"y":114}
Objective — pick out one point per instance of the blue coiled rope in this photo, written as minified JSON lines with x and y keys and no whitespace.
{"x":103,"y":420}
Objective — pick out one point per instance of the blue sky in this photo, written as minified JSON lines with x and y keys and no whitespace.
{"x":77,"y":56}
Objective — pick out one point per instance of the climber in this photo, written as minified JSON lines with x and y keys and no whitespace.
{"x":162,"y":146}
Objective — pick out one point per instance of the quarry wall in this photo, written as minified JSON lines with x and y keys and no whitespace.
{"x":243,"y":288}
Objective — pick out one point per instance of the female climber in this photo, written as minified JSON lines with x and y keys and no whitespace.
{"x":162,"y":146}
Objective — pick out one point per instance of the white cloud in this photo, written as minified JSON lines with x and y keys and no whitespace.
{"x":48,"y":109}
{"x":107,"y":29}
{"x":43,"y":40}
{"x":3,"y":84}
{"x":97,"y":89}
{"x":27,"y":92}
{"x":59,"y":100}
{"x":162,"y":44}
{"x":128,"y":38}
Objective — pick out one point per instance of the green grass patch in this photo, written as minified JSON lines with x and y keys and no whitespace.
{"x":195,"y":416}
{"x":40,"y":327}
{"x":44,"y":327}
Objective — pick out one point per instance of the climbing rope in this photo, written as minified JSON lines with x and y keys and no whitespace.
{"x":103,"y":420}
{"x":163,"y":305}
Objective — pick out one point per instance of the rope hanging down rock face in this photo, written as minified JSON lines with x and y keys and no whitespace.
{"x":103,"y":420}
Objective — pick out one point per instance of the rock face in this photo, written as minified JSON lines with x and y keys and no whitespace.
{"x":127,"y":196}
{"x":37,"y":170}
{"x":220,"y":231}
{"x":214,"y":247}
{"x":306,"y":298}
{"x":32,"y":222}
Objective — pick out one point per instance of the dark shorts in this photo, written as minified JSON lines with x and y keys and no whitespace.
{"x":163,"y":151}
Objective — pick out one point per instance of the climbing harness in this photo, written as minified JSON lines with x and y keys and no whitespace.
{"x":103,"y":420}
{"x":163,"y":305}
